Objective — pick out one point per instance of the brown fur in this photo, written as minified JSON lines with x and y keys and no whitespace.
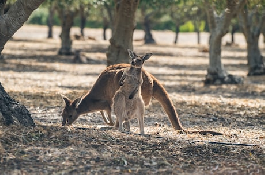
{"x":128,"y":102}
{"x":99,"y":98}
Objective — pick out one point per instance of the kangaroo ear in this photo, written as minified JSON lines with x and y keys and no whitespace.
{"x":131,"y":53}
{"x":66,"y":100}
{"x":147,"y":56}
{"x":77,"y":102}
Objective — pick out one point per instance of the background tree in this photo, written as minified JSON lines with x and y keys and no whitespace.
{"x":10,"y":110}
{"x":50,"y":19}
{"x":146,"y":15}
{"x":108,"y":17}
{"x":178,"y":16}
{"x":197,"y":15}
{"x":67,"y":11}
{"x":252,"y":20}
{"x":179,"y":12}
{"x":122,"y":37}
{"x":218,"y":24}
{"x":234,"y":28}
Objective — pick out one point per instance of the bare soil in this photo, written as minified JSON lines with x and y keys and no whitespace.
{"x":35,"y":75}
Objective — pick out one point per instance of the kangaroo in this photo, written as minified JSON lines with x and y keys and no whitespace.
{"x":128,"y":102}
{"x":99,"y":98}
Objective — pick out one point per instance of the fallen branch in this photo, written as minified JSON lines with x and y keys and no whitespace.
{"x":225,"y":143}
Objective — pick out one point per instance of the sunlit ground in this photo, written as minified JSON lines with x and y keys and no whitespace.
{"x":35,"y":75}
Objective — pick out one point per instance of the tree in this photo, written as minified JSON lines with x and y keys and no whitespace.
{"x":14,"y":18}
{"x":109,"y":8}
{"x":234,"y":28}
{"x":148,"y":37}
{"x":122,"y":37}
{"x":180,"y":13}
{"x":252,"y":22}
{"x":218,"y":24}
{"x":197,"y":15}
{"x":50,"y":20}
{"x":178,"y":16}
{"x":10,"y":110}
{"x":66,"y":14}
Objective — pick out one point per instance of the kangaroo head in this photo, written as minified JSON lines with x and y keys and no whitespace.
{"x":69,"y":113}
{"x":138,"y":61}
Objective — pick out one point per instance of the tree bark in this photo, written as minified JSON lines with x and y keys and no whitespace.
{"x":11,"y":21}
{"x":67,"y":19}
{"x":216,"y":74}
{"x":11,"y":112}
{"x":252,"y":30}
{"x":50,"y":21}
{"x":123,"y":35}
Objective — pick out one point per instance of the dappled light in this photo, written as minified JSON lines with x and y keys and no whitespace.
{"x":33,"y":74}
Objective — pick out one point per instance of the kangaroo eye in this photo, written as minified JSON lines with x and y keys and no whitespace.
{"x":70,"y":116}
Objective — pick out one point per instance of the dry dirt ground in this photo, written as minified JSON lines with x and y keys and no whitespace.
{"x":35,"y":75}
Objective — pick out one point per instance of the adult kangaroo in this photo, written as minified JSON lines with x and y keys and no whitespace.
{"x":99,"y":98}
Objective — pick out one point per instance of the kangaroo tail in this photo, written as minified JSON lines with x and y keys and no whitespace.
{"x":161,"y":95}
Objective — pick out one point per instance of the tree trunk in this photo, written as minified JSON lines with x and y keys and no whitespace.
{"x":198,"y":37}
{"x":255,"y":59}
{"x":11,"y":21}
{"x":176,"y":34}
{"x":148,"y":37}
{"x":251,"y":30}
{"x":123,"y":35}
{"x":216,"y":71}
{"x":216,"y":74}
{"x":233,"y":31}
{"x":82,"y":20}
{"x":197,"y":30}
{"x":11,"y":112}
{"x":50,"y":22}
{"x":105,"y":27}
{"x":67,"y":18}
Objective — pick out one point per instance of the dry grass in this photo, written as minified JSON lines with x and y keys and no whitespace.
{"x":35,"y":75}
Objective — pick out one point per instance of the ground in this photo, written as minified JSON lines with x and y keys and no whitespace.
{"x":35,"y":75}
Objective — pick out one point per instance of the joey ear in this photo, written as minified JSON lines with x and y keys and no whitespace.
{"x":66,"y":100}
{"x":131,"y":53}
{"x":147,"y":56}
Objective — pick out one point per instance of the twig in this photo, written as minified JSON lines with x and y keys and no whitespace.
{"x":225,"y":143}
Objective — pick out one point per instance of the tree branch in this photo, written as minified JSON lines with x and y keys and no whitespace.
{"x":232,"y":8}
{"x":244,"y":20}
{"x":16,"y":16}
{"x":210,"y":15}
